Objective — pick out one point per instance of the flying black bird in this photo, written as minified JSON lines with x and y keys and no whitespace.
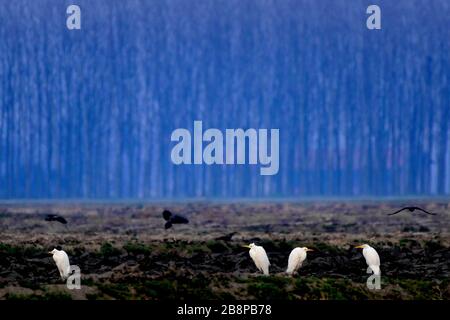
{"x":173,"y":219}
{"x":412,"y":209}
{"x":55,"y":217}
{"x":226,"y":237}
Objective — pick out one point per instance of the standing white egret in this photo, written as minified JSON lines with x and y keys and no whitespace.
{"x":62,"y":262}
{"x":259,"y":256}
{"x":296,"y":258}
{"x":372,"y":258}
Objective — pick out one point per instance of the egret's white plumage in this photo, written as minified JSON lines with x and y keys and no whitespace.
{"x":296,"y":258}
{"x":259,"y":256}
{"x":372,"y":258}
{"x":62,"y":262}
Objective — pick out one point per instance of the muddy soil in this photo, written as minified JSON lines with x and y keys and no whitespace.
{"x":124,"y":252}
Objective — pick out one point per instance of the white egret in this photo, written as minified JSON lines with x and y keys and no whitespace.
{"x":372,"y":258}
{"x":259,"y":256}
{"x":62,"y":262}
{"x":296,"y":258}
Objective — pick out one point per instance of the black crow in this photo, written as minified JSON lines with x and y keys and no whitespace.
{"x":55,"y":217}
{"x":173,"y":219}
{"x":412,"y":209}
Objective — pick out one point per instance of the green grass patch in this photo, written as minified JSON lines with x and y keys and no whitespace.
{"x":108,"y":250}
{"x":269,"y":288}
{"x":24,"y":250}
{"x":136,"y":248}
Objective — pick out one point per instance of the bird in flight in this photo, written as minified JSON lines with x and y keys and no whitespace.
{"x":412,"y":209}
{"x":55,"y":217}
{"x":173,"y":219}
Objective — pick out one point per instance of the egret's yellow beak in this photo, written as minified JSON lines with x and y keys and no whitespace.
{"x":246,"y":246}
{"x":359,"y":247}
{"x":50,"y":252}
{"x":309,"y":249}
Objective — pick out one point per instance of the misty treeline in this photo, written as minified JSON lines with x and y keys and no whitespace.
{"x":89,"y":113}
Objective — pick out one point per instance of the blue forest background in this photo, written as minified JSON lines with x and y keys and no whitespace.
{"x":89,"y":113}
